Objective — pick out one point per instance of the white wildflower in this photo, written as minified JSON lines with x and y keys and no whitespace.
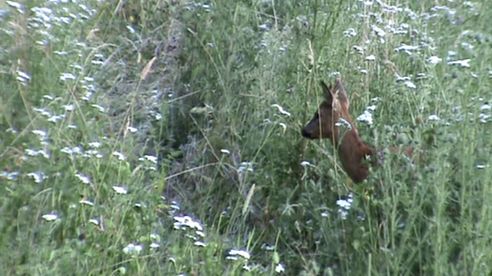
{"x":279,"y":268}
{"x":67,"y":76}
{"x":345,"y":205}
{"x":350,"y":32}
{"x":434,"y":117}
{"x":86,"y":202}
{"x":464,"y":63}
{"x":132,"y":129}
{"x":119,"y":155}
{"x":120,"y":190}
{"x":233,"y":254}
{"x":199,"y":244}
{"x":98,"y":107}
{"x":37,"y":176}
{"x":84,"y":179}
{"x":133,"y":249}
{"x":410,"y":84}
{"x":186,"y":222}
{"x":379,"y":32}
{"x":366,"y":117}
{"x":281,"y":110}
{"x":50,"y":217}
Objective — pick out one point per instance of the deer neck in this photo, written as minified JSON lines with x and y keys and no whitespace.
{"x":352,"y":152}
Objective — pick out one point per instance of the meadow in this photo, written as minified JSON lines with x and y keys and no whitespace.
{"x":162,"y":137}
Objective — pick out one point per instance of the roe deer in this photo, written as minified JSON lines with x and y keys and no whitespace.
{"x":333,"y":121}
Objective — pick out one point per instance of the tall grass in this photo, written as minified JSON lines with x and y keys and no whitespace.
{"x":162,"y":137}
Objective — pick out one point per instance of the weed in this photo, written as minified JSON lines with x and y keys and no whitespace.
{"x":163,"y":137}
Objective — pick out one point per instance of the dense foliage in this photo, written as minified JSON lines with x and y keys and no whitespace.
{"x":162,"y":137}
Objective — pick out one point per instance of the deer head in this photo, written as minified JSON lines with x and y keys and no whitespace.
{"x":333,"y":121}
{"x":332,"y":112}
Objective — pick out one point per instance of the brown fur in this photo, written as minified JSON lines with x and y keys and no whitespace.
{"x":352,"y":151}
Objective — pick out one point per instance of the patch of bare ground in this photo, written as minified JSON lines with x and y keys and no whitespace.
{"x":136,"y":99}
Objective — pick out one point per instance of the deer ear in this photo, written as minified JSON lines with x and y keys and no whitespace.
{"x":331,"y":96}
{"x":342,"y":93}
{"x":327,"y":92}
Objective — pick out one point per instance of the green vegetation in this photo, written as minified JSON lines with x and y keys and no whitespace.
{"x":163,"y":137}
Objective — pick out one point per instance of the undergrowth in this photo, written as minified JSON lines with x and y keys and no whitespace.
{"x":163,"y":137}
